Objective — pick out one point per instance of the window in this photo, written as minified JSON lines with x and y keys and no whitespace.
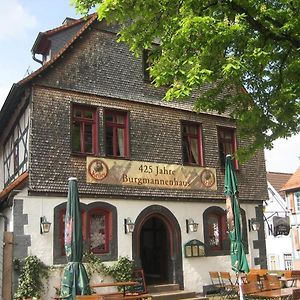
{"x":192,"y":143}
{"x":16,"y":156}
{"x":84,"y":130}
{"x":99,"y":230}
{"x":288,"y":261}
{"x":116,"y":133}
{"x":215,"y":230}
{"x":272,"y":262}
{"x":227,"y":144}
{"x":297,"y":196}
{"x":216,"y":237}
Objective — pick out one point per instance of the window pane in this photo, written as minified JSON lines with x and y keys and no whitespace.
{"x":88,"y":114}
{"x":120,"y":142}
{"x":77,"y":112}
{"x":109,"y":141}
{"x":214,"y":232}
{"x":97,"y":232}
{"x":109,"y":117}
{"x":76,"y":137}
{"x":88,"y":138}
{"x":120,"y":119}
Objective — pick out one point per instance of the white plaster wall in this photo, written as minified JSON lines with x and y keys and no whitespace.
{"x":195,"y":269}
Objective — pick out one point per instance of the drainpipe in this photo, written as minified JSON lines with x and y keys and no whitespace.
{"x":36,"y":59}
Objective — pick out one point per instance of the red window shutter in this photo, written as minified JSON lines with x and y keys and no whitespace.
{"x":292,"y":203}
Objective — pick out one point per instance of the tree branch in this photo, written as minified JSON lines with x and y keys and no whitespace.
{"x":259,"y":26}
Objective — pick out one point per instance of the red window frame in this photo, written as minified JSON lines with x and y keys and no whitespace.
{"x":83,"y":121}
{"x":224,"y":141}
{"x":186,"y":137}
{"x":107,"y":233}
{"x":86,"y":232}
{"x":222,"y":229}
{"x":115,"y":126}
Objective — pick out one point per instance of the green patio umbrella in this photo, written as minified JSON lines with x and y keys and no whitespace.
{"x":239,"y":262}
{"x":75,"y":280}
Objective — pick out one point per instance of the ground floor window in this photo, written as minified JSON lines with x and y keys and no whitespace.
{"x":216,"y":237}
{"x":288,"y":261}
{"x":99,"y":230}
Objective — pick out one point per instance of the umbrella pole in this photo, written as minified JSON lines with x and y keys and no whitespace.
{"x":239,"y":278}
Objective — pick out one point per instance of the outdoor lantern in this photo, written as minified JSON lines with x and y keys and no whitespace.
{"x":254,"y":224}
{"x":44,"y":225}
{"x":191,"y":226}
{"x":128,"y":225}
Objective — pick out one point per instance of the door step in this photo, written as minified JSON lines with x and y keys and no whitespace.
{"x":171,"y":292}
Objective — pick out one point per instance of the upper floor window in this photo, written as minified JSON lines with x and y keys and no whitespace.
{"x":84,"y":130}
{"x":99,"y":230}
{"x":227,"y":144}
{"x":116,"y":133}
{"x":192,"y":143}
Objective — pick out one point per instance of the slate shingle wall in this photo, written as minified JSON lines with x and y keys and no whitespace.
{"x":155,"y":135}
{"x":99,"y":71}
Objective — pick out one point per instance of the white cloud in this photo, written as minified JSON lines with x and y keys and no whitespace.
{"x":15,"y":20}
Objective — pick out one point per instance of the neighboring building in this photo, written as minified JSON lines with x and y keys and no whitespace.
{"x":292,"y":195}
{"x":90,"y":112}
{"x":279,"y":247}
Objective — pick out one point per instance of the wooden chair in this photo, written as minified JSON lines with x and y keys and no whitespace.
{"x":216,"y":283}
{"x":252,"y":278}
{"x":249,"y":289}
{"x":230,"y":288}
{"x":271,"y":282}
{"x":296,"y":294}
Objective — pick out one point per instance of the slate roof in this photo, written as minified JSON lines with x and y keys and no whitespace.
{"x":18,"y":88}
{"x":293,"y":183}
{"x":277,"y":180}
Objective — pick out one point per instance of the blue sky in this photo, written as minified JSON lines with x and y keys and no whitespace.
{"x":22,"y":20}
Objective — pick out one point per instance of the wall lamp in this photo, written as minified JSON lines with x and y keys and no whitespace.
{"x":128,"y":225}
{"x":191,"y":226}
{"x":253,"y":224}
{"x":44,"y":225}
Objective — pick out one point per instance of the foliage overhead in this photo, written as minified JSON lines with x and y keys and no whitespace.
{"x":232,"y":46}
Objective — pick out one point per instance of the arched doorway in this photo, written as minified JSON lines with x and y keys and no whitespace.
{"x":155,"y":250}
{"x":156,"y":246}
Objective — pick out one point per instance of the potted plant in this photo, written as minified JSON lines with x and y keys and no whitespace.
{"x":30,"y":281}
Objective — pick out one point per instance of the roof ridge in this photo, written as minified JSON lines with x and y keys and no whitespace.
{"x":66,"y":26}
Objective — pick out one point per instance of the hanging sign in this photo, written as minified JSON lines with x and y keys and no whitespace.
{"x":149,"y":174}
{"x":281,"y":225}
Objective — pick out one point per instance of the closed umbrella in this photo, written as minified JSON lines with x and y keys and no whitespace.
{"x":239,"y":262}
{"x":75,"y":280}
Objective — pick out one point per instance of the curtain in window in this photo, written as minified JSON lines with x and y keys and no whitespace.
{"x":120,"y":136}
{"x":193,"y":145}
